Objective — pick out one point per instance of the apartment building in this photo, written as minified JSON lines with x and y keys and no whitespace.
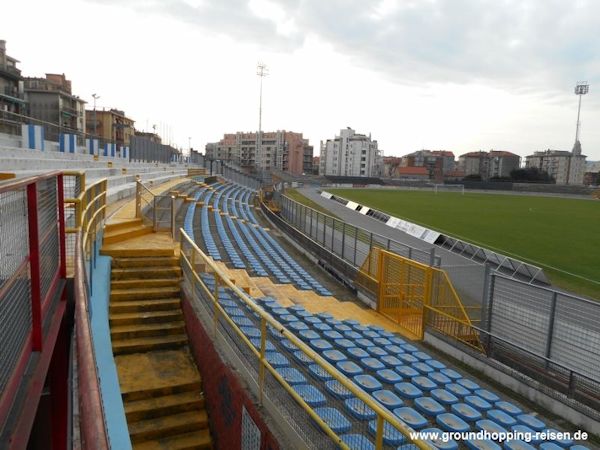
{"x":351,"y":154}
{"x":492,"y":164}
{"x":565,"y":167}
{"x":283,"y":150}
{"x":12,"y":96}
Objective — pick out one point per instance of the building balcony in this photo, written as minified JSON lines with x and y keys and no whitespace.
{"x":10,"y":72}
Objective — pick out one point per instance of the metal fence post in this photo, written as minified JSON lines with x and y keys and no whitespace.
{"x":154,"y":215}
{"x":432,"y":257}
{"x":551,"y":326}
{"x":489,"y":304}
{"x":355,"y":244}
{"x":263,"y":345}
{"x":34,"y":268}
{"x":332,"y":234}
{"x":138,"y":199}
{"x":343,"y":238}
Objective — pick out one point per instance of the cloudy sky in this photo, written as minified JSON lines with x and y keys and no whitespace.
{"x":459,"y":75}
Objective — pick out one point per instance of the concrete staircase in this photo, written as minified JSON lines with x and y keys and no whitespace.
{"x":160,"y":384}
{"x":124,"y":230}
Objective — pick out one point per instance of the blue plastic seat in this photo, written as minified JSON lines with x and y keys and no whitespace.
{"x":410,"y":348}
{"x":364,"y":343}
{"x":369,"y":334}
{"x":333,"y":335}
{"x":408,"y":390}
{"x":349,"y":368}
{"x":508,"y":408}
{"x":367,"y":382}
{"x":276,"y":359}
{"x":451,"y":422}
{"x":531,"y":421}
{"x":424,"y":383}
{"x":377,"y":352}
{"x":482,"y":444}
{"x":312,"y":320}
{"x":334,"y":419}
{"x":319,"y":373}
{"x":321,"y":345}
{"x":291,"y":375}
{"x":468,"y":384}
{"x":288,"y":318}
{"x":429,"y":406}
{"x":489,"y":426}
{"x":357,"y":353}
{"x":334,"y":356}
{"x":393,"y":349}
{"x":501,"y":418}
{"x":242,"y":321}
{"x":298,"y":326}
{"x":251,"y":331}
{"x":357,"y":442}
{"x":444,"y":397}
{"x":423,"y":368}
{"x":321,"y":327}
{"x":437,"y":365}
{"x":302,"y":357}
{"x":391,"y":436}
{"x":351,"y":322}
{"x":397,"y":340}
{"x":561,"y":442}
{"x":466,"y":412}
{"x":359,"y":409}
{"x":390,"y":361}
{"x":310,"y":394}
{"x":388,"y":399}
{"x":288,"y":345}
{"x":372,"y":364}
{"x":487,"y":395}
{"x":309,"y":335}
{"x":457,"y":389}
{"x":335,"y":388}
{"x":269,"y":347}
{"x":341,"y":327}
{"x":439,"y":443}
{"x":407,"y":358}
{"x":344,"y":343}
{"x":518,"y":445}
{"x":388,"y":376}
{"x":524,"y":430}
{"x":361,"y":328}
{"x":411,"y":417}
{"x":382,"y":342}
{"x":439,"y":378}
{"x":406,"y":371}
{"x":550,"y":446}
{"x":452,"y":374}
{"x":478,"y":403}
{"x":352,"y":335}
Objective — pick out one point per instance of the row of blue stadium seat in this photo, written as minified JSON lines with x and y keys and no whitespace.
{"x":209,"y":242}
{"x":232,"y":253}
{"x":421,"y":391}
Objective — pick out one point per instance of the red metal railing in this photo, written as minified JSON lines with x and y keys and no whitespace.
{"x":32,"y":295}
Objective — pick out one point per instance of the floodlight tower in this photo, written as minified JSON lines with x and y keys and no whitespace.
{"x":581,"y":89}
{"x":262,"y":71}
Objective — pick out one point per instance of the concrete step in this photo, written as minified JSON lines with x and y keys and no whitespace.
{"x":137,"y":284}
{"x":189,"y":441}
{"x":122,"y":263}
{"x":163,"y":427}
{"x":137,"y":273}
{"x":172,"y":388}
{"x":122,"y":224}
{"x":141,"y":306}
{"x":147,"y":317}
{"x":146,"y":330}
{"x":118,"y":295}
{"x":124,"y":234}
{"x":137,"y":252}
{"x":149,"y":344}
{"x":150,"y":408}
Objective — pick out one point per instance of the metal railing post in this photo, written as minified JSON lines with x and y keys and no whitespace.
{"x":216,"y":302}
{"x":138,"y":199}
{"x":173,"y":217}
{"x":154,"y":215}
{"x":263,"y":346}
{"x":379,"y":433}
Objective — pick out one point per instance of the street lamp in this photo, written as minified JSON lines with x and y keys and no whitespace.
{"x":581,"y":89}
{"x":262,"y":71}
{"x":95,"y":97}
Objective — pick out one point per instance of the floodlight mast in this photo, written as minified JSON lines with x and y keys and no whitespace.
{"x":262,"y":71}
{"x":581,"y":89}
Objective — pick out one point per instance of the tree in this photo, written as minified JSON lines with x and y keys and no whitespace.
{"x":531,"y":175}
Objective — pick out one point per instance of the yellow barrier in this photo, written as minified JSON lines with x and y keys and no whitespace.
{"x":416,"y":296}
{"x":194,"y":260}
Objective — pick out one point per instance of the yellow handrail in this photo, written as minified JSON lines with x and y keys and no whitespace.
{"x":382,"y":413}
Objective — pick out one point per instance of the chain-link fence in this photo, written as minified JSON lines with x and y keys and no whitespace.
{"x":547,"y":334}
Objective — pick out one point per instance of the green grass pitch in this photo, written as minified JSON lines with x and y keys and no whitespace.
{"x":559,"y":234}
